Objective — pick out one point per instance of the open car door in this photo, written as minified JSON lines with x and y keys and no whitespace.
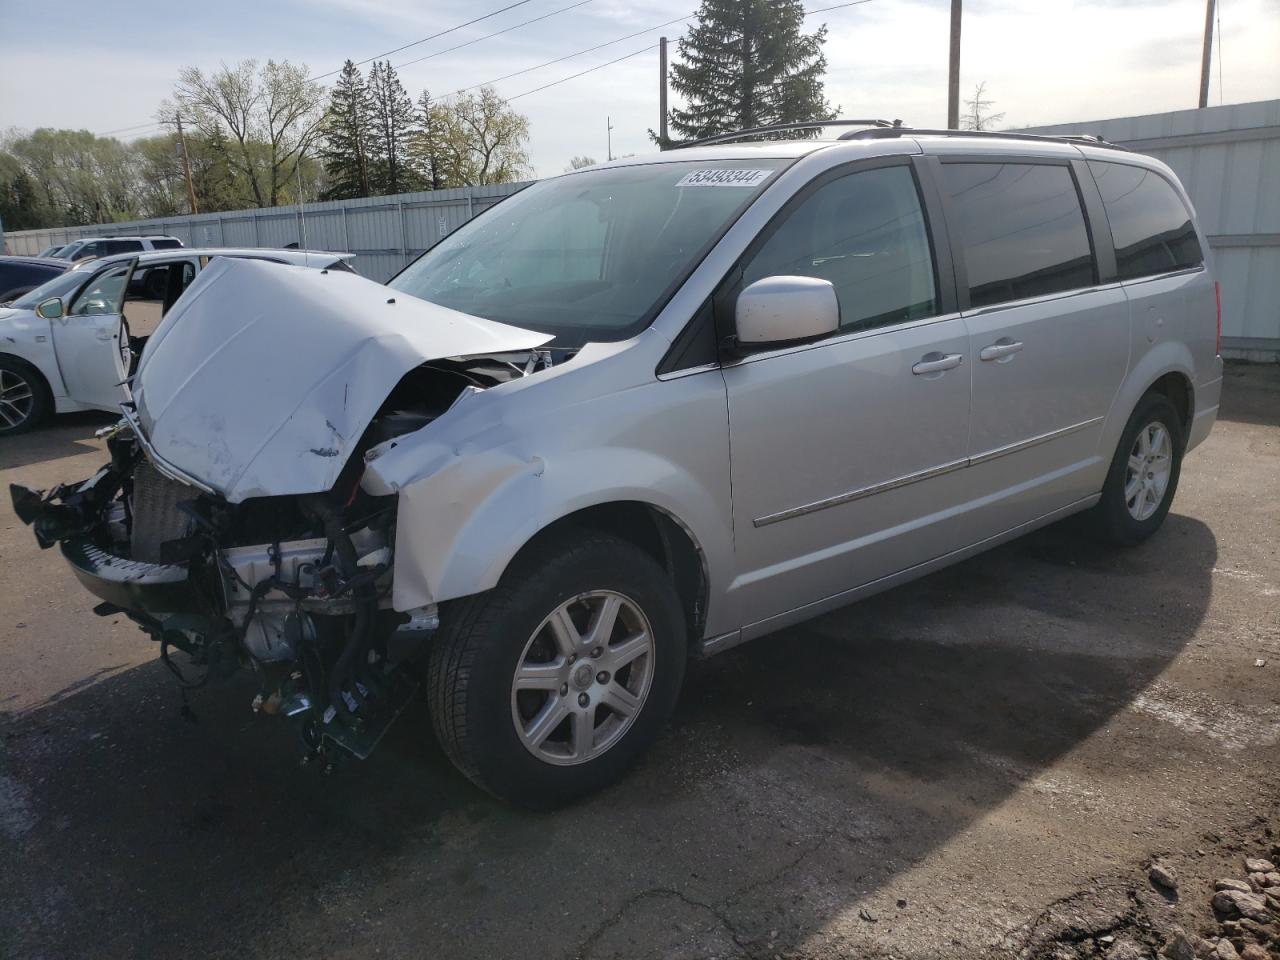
{"x":90,"y":342}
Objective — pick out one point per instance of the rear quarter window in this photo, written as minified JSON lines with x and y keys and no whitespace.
{"x":1021,"y":228}
{"x":170,"y":244}
{"x":1150,"y":225}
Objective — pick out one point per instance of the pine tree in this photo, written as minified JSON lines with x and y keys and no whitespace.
{"x":424,"y":143}
{"x":394,"y":121}
{"x":745,"y":63}
{"x":347,"y":135}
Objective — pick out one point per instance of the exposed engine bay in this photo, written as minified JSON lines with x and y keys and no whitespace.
{"x":296,"y":588}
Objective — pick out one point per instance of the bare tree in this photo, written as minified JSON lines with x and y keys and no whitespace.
{"x":977,"y":114}
{"x":577,"y":163}
{"x":269,"y":116}
{"x":482,"y":139}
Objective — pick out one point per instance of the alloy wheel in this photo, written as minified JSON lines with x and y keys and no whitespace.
{"x":1148,"y":471}
{"x":17,"y":399}
{"x":582,"y":678}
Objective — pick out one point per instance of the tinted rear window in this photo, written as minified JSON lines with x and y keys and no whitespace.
{"x":166,"y":244}
{"x":122,"y":246}
{"x":1150,"y":225}
{"x":24,"y":275}
{"x":1022,"y":230}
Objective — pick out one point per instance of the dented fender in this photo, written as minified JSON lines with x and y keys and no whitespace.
{"x":480,"y":482}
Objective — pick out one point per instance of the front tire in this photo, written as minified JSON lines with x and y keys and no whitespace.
{"x":549,"y":686}
{"x":1144,"y":473}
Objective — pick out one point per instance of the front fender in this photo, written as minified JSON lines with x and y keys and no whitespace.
{"x":481,"y":481}
{"x":458,"y":529}
{"x":29,"y":338}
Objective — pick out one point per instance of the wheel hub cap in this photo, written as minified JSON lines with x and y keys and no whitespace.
{"x":583,"y":678}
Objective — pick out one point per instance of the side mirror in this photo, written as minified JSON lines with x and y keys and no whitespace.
{"x":50,"y":309}
{"x":780,"y":310}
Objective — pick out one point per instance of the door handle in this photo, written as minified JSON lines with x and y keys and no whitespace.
{"x":937,"y":363}
{"x":1002,"y":348}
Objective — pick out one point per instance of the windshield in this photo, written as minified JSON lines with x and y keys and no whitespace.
{"x":592,"y":255}
{"x":63,"y":285}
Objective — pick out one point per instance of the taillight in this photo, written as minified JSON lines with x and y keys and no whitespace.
{"x":1217,"y":296}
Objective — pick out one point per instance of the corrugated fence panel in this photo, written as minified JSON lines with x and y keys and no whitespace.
{"x":384,"y":232}
{"x":1228,"y":158}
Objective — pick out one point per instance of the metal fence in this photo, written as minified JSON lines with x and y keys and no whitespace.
{"x":385,"y":233}
{"x":1228,"y":158}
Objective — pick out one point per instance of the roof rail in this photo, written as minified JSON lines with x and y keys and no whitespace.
{"x":886,"y":125}
{"x":900,"y":131}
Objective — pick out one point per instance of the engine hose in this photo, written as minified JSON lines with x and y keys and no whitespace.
{"x":360,"y":629}
{"x":355,"y":650}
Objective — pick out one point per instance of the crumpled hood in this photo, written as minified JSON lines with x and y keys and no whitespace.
{"x":262,"y":378}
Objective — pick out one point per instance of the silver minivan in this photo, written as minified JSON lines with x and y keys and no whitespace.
{"x":642,"y":412}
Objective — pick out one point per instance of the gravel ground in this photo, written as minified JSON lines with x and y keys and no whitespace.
{"x":981,"y":764}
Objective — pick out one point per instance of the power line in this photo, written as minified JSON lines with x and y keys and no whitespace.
{"x":609,"y":43}
{"x":510,"y":6}
{"x":548,"y":63}
{"x":490,"y":36}
{"x":570,"y":56}
{"x":652,"y":46}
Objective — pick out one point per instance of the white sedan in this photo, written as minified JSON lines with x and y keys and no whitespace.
{"x":70,"y":343}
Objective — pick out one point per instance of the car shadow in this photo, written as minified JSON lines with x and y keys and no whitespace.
{"x":801,"y":772}
{"x":67,"y":435}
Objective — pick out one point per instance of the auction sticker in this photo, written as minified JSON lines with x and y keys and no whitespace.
{"x":721,"y":177}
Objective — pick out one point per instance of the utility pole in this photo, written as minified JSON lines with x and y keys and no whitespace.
{"x":608,"y":123}
{"x":953,"y":78}
{"x":662,"y":93}
{"x":1206,"y":56}
{"x":186,"y":166}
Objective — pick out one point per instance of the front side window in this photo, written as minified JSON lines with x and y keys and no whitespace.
{"x":866,"y":234}
{"x":592,"y":255}
{"x":1021,"y":229}
{"x":102,"y":294}
{"x":1150,"y":225}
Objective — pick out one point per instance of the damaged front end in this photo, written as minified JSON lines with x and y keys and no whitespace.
{"x":296,"y":588}
{"x":257,"y":546}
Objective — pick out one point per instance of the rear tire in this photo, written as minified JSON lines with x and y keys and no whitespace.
{"x":579,"y":716}
{"x":25,"y":400}
{"x":1144,"y":473}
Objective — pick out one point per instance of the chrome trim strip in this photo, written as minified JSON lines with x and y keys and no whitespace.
{"x":160,"y":463}
{"x":1032,"y":441}
{"x":859,"y":494}
{"x":929,"y":474}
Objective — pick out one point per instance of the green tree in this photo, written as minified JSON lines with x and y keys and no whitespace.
{"x":482,"y":140}
{"x":79,"y":177}
{"x":267,"y":116}
{"x":424,"y":143}
{"x":394,"y":122}
{"x":346,"y":136}
{"x":21,"y":207}
{"x":746,"y":63}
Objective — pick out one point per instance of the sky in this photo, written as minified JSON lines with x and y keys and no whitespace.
{"x":102,"y":66}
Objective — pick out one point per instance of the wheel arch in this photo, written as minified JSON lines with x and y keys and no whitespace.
{"x":657,"y":532}
{"x":1167,"y":368}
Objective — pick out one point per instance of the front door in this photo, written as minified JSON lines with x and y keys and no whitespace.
{"x":87,"y":340}
{"x":846,"y":453}
{"x":1050,"y":346}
